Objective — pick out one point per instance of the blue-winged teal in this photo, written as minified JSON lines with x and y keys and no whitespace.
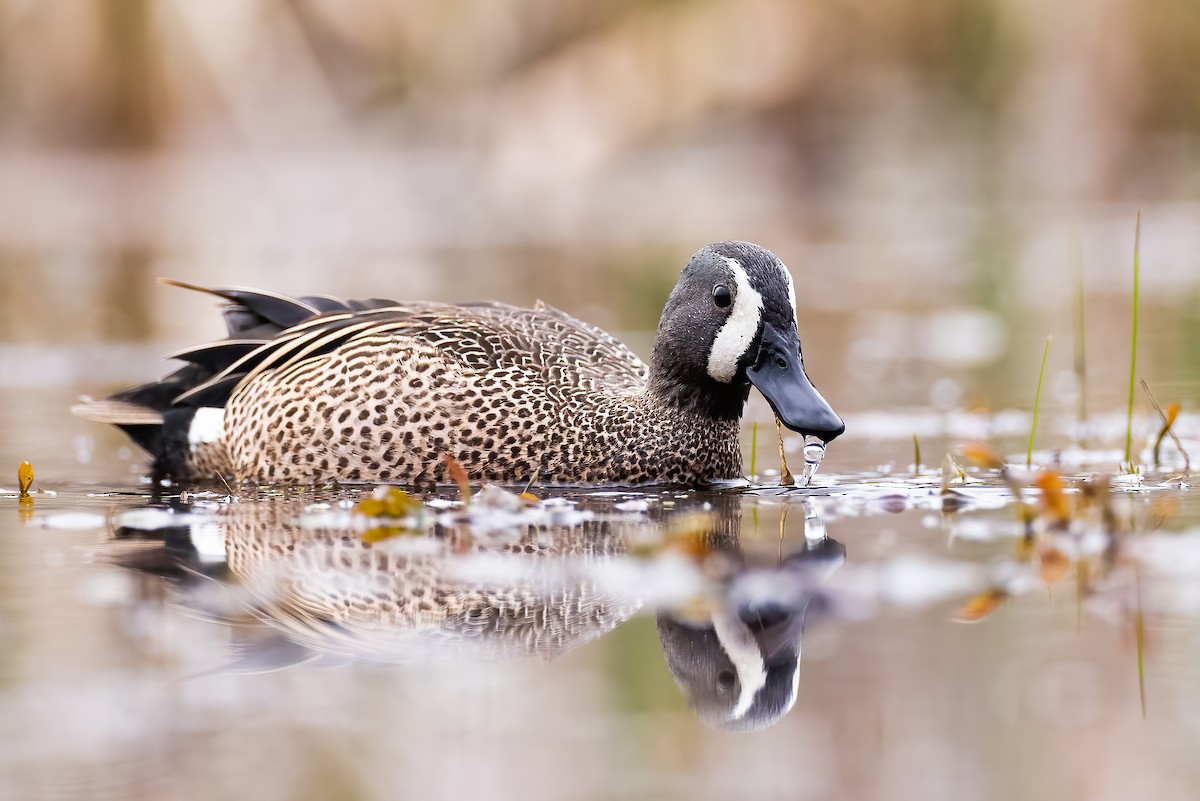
{"x":317,"y":388}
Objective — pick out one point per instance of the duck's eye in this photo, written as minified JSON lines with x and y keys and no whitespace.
{"x":721,"y":296}
{"x":725,"y":680}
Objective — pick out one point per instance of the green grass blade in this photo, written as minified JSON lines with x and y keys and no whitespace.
{"x":754,"y":449}
{"x":1137,"y":247}
{"x":1037,"y":403}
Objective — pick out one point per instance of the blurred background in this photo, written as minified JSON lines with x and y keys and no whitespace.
{"x":921,"y":165}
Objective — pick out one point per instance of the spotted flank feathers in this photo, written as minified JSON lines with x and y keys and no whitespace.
{"x":316,"y":388}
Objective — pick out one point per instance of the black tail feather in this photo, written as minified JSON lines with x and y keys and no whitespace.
{"x":157,"y":416}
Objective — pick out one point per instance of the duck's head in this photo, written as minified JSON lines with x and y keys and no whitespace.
{"x":731,"y":323}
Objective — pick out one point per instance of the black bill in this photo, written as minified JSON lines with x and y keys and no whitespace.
{"x":779,"y":375}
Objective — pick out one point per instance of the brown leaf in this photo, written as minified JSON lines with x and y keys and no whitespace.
{"x":459,"y":474}
{"x":980,"y":606}
{"x":1052,"y":565}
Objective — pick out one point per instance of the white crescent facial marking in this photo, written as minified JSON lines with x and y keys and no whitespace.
{"x":791,"y":291}
{"x":791,"y":702}
{"x":739,"y":329}
{"x":208,"y":425}
{"x":741,"y":647}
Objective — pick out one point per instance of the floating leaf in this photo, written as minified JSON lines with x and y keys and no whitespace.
{"x":982,"y":455}
{"x":381,"y":533}
{"x":980,"y":606}
{"x":1054,"y":499}
{"x":390,"y":503}
{"x":1052,"y":565}
{"x":24,"y":478}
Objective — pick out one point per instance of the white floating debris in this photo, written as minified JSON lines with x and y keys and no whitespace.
{"x":636,"y":505}
{"x":72,"y":521}
{"x":154,"y":519}
{"x":1128,"y":480}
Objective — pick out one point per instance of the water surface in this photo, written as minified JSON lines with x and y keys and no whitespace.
{"x":165,"y":644}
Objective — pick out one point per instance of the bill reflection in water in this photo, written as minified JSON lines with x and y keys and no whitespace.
{"x":307,"y":588}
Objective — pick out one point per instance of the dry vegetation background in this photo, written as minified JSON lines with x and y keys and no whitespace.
{"x":918,"y":163}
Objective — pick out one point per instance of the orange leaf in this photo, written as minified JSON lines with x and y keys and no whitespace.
{"x":24,"y":478}
{"x":1052,"y":565}
{"x":980,"y":606}
{"x":981,"y":454}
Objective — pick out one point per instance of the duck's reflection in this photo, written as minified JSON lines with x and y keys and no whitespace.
{"x":528,"y":582}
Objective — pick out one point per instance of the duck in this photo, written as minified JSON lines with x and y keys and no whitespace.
{"x":314,"y":389}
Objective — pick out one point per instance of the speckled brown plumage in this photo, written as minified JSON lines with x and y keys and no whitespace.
{"x":513,"y":394}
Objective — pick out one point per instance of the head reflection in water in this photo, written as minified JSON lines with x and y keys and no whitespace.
{"x":739,"y":665}
{"x":302,"y":587}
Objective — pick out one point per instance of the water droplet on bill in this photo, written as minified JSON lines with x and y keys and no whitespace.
{"x":814,"y":452}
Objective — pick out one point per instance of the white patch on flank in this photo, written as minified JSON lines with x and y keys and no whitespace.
{"x":208,"y":425}
{"x":209,"y":541}
{"x":739,"y":643}
{"x":738,"y":331}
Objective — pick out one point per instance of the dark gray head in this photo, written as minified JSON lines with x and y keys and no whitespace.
{"x":730,"y":323}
